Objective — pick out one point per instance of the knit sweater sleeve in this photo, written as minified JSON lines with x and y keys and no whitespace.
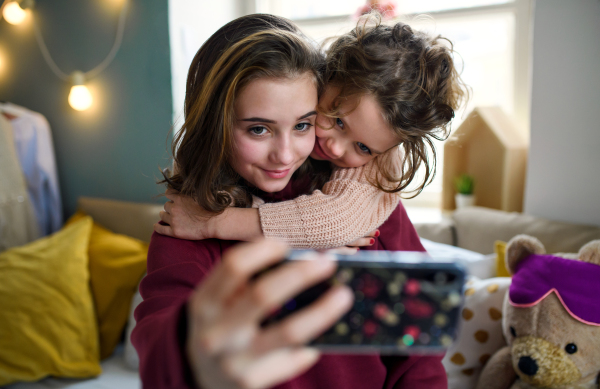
{"x":348,"y":207}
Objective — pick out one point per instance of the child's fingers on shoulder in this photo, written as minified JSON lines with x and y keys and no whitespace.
{"x":163,"y":229}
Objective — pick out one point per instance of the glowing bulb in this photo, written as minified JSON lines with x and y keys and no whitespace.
{"x":80,"y":97}
{"x":13,"y":13}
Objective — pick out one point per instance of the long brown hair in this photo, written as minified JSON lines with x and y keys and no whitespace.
{"x":245,"y":49}
{"x":413,"y":78}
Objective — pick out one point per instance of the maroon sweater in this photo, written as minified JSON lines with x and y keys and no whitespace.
{"x":176,"y":266}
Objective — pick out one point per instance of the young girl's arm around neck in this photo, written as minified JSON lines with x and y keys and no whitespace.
{"x":348,"y":207}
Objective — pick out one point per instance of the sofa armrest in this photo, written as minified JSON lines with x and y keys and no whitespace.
{"x":442,"y":232}
{"x":122,"y":217}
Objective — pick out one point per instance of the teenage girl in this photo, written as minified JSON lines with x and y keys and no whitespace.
{"x":199,"y":322}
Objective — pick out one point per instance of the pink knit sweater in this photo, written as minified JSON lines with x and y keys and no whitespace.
{"x":347,"y":208}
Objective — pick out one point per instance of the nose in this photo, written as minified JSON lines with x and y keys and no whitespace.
{"x":335,"y":146}
{"x":282,"y":153}
{"x":528,"y":366}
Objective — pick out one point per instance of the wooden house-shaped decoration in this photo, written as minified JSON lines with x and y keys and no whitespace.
{"x":489,"y":147}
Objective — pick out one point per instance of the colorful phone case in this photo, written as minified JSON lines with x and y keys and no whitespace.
{"x":405,"y":303}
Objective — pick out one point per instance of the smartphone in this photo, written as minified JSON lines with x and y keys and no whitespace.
{"x":404,"y":303}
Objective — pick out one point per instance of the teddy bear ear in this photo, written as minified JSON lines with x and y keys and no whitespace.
{"x":520,"y":247}
{"x":591,"y":252}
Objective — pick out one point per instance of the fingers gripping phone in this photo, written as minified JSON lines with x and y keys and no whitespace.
{"x":405,"y":302}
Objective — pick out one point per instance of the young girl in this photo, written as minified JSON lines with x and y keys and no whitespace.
{"x":248,"y":122}
{"x":386,"y":86}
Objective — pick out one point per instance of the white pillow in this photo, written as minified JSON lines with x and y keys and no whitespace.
{"x":478,"y":265}
{"x":480,"y":331}
{"x":130,"y":354}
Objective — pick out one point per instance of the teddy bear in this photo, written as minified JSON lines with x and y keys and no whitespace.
{"x":551,"y":320}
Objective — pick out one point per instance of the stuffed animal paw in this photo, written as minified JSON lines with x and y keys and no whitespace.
{"x":551,"y":320}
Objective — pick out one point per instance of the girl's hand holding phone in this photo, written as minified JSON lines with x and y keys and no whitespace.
{"x":226,"y":345}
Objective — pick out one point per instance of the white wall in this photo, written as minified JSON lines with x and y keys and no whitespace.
{"x":563,"y":179}
{"x":191,"y":22}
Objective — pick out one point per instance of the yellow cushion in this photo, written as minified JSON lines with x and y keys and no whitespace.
{"x":117,"y":263}
{"x":500,"y":250}
{"x":47,"y":321}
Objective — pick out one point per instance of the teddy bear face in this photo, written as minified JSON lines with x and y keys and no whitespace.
{"x":549,"y":347}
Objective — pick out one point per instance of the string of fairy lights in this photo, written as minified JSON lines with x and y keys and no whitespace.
{"x":17,"y":11}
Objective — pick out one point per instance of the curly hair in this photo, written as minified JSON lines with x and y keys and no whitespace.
{"x":413,"y":78}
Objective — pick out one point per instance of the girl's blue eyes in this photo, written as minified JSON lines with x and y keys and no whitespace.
{"x":260,"y":130}
{"x":302,"y":126}
{"x":363,"y":148}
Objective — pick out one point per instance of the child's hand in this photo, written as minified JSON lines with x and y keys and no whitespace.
{"x":188,"y":220}
{"x":185,"y":218}
{"x":367,"y":240}
{"x":352,"y":247}
{"x":226,"y":346}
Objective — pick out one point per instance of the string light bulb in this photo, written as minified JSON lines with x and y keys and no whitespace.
{"x":80,"y":97}
{"x":15,"y":11}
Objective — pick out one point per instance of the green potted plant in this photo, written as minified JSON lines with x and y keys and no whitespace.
{"x":464,"y":185}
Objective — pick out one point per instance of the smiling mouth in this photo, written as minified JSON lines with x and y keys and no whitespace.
{"x":277,"y":173}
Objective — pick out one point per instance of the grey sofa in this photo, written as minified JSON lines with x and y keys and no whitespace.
{"x":477,"y":228}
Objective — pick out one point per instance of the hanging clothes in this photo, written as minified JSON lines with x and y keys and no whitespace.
{"x":35,"y":151}
{"x":18,"y":223}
